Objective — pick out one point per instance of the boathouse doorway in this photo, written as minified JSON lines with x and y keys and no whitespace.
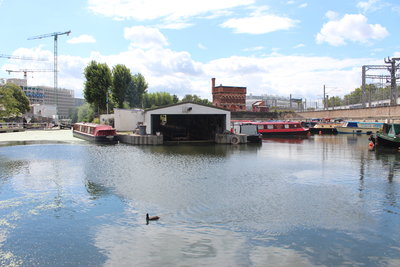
{"x":187,"y":122}
{"x":188,"y":127}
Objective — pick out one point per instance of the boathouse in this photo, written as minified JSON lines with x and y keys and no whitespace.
{"x":185,"y":121}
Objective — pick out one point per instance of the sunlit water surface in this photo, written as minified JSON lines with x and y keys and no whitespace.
{"x":325,"y":200}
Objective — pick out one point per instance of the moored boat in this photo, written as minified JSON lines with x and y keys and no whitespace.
{"x":278,"y":128}
{"x":355,"y":127}
{"x":248,"y":128}
{"x":95,"y":132}
{"x":389,"y":136}
{"x":325,"y":128}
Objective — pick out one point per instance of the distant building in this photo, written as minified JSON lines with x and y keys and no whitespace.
{"x":62,"y":99}
{"x":229,"y":97}
{"x":19,"y":82}
{"x":259,"y":106}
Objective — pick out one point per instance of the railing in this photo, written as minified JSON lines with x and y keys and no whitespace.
{"x":11,"y":127}
{"x":19,"y":126}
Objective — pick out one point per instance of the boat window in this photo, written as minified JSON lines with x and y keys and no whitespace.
{"x":269,"y":126}
{"x":278,"y":126}
{"x":91,"y":130}
{"x":286,"y":126}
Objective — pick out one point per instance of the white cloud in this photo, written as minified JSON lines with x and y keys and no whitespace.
{"x":299,"y":46}
{"x":368,"y":6}
{"x":177,"y":73}
{"x":303,"y":5}
{"x":259,"y":24}
{"x":255,"y":48}
{"x":145,"y":37}
{"x":175,"y":26}
{"x":352,"y":27}
{"x":201,"y":46}
{"x":332,"y":15}
{"x":161,"y":9}
{"x":84,"y":38}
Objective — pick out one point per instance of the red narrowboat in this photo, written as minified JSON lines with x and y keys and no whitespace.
{"x":95,"y":132}
{"x":277,"y":128}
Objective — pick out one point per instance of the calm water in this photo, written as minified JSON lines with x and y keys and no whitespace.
{"x":322,"y":201}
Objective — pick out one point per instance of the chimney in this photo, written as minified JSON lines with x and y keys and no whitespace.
{"x":212,"y":83}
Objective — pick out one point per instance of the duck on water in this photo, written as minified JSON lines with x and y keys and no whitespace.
{"x":151,"y":218}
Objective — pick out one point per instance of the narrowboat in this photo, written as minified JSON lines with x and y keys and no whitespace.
{"x":325,"y":128}
{"x":355,"y":127}
{"x":278,"y":128}
{"x":95,"y":132}
{"x":389,"y":136}
{"x":248,"y":128}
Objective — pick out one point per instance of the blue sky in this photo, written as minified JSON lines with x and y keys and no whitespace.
{"x":275,"y":47}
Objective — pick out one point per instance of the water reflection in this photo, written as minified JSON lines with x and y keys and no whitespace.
{"x":326,"y":200}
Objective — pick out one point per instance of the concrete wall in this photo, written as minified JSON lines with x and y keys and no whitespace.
{"x":186,"y":108}
{"x":127,"y":119}
{"x":377,"y":113}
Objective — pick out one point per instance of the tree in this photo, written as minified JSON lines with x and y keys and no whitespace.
{"x":98,"y":80}
{"x":121,"y":82}
{"x":151,"y":100}
{"x":175,"y":99}
{"x":136,"y":90}
{"x":13,"y":100}
{"x":195,"y":99}
{"x":85,"y":113}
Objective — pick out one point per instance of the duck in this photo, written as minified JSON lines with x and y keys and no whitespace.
{"x":151,"y":218}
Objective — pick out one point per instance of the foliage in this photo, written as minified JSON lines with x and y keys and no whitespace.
{"x":98,"y":80}
{"x":73,"y":114}
{"x":175,"y":99}
{"x":136,"y":91}
{"x":121,"y":81}
{"x":334,"y":101}
{"x":85,"y":113}
{"x":13,"y":100}
{"x":151,"y":100}
{"x":96,"y":120}
{"x":195,"y":99}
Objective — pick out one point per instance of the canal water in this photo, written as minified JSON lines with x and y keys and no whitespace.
{"x":320,"y":201}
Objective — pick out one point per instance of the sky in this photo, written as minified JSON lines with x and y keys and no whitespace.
{"x":273,"y":47}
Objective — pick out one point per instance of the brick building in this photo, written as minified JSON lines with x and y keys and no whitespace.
{"x":229,"y":97}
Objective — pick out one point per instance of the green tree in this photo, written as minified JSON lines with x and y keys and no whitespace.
{"x":13,"y":100}
{"x":195,"y":99}
{"x":86,"y":113}
{"x":98,"y":80}
{"x":121,"y":82}
{"x":151,"y":100}
{"x":136,"y":90}
{"x":73,"y":114}
{"x":334,"y":101}
{"x":175,"y":99}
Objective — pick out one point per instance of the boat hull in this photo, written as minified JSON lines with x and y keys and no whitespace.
{"x":356,"y":130}
{"x":323,"y":130}
{"x":284,"y":133}
{"x":105,"y":139}
{"x":387,"y":141}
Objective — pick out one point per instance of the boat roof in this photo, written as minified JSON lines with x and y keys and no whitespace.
{"x":276,"y":122}
{"x":97,"y":126}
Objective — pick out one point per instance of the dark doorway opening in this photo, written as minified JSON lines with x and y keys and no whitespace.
{"x":188,"y":127}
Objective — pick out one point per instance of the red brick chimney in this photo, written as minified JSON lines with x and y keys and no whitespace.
{"x":212,"y":83}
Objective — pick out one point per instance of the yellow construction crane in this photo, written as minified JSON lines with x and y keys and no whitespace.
{"x":55,"y":35}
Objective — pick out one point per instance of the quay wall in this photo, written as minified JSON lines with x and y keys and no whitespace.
{"x":141,"y":139}
{"x":391,"y":113}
